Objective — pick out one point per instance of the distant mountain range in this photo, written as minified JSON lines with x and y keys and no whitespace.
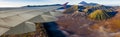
{"x":68,"y":6}
{"x":42,"y":5}
{"x":83,"y":3}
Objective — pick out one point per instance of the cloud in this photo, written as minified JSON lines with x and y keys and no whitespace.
{"x":9,"y":4}
{"x":24,"y":0}
{"x":17,"y":3}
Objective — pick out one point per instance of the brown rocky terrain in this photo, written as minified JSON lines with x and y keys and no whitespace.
{"x":76,"y":25}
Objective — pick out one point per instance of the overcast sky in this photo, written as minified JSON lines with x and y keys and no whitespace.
{"x":18,"y":3}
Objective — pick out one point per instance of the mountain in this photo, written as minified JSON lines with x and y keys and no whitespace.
{"x":88,"y":4}
{"x":83,"y":2}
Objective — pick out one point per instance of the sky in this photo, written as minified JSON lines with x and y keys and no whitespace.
{"x":19,"y":3}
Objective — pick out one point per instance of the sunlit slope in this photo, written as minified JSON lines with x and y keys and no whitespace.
{"x":98,"y":15}
{"x":90,"y":9}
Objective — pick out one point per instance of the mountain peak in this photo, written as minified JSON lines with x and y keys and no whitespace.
{"x":83,"y":2}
